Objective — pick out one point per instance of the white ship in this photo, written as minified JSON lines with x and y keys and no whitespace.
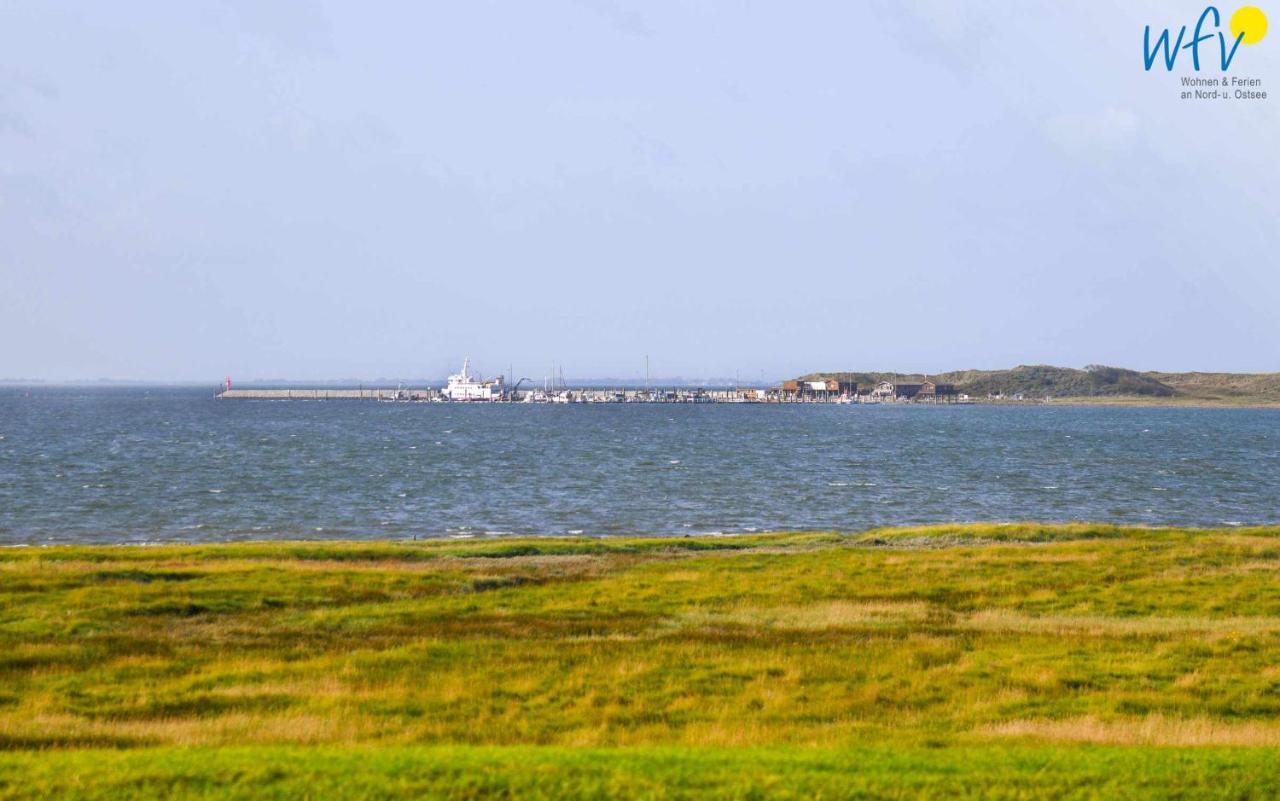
{"x":465,"y":387}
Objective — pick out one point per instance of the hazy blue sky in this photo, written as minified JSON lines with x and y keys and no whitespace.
{"x":323,"y":190}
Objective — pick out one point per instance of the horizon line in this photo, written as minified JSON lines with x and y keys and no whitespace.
{"x":729,"y":380}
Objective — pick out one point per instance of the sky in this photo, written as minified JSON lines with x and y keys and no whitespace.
{"x":314,"y":190}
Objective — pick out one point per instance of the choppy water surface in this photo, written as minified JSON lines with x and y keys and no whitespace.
{"x":92,"y":465}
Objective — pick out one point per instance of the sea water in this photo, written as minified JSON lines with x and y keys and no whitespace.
{"x":165,"y":464}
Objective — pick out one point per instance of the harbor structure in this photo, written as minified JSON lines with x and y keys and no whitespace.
{"x":924,"y":392}
{"x":337,"y":393}
{"x":938,"y":393}
{"x":467,"y":386}
{"x":798,"y":390}
{"x":894,"y":391}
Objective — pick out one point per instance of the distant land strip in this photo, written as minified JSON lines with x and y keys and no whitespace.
{"x":1094,"y":383}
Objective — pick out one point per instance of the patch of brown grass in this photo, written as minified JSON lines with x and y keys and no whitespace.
{"x":1148,"y":730}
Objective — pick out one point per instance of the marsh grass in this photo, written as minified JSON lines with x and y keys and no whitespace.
{"x":611,"y":662}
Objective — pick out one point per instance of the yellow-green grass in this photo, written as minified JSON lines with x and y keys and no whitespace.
{"x":981,"y":661}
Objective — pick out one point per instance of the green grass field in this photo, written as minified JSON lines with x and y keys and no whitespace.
{"x":1015,"y":661}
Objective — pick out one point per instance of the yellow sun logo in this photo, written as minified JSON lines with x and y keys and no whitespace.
{"x":1249,"y":24}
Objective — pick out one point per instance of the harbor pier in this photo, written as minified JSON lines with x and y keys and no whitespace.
{"x":467,"y":387}
{"x":328,"y":394}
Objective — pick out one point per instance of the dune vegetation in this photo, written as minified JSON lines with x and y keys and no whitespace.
{"x":1093,"y":384}
{"x":982,"y":661}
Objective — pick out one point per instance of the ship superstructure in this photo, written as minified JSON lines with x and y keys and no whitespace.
{"x":464,"y":386}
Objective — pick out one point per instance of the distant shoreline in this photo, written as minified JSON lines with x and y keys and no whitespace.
{"x":1141,"y":402}
{"x":1118,"y":401}
{"x":1092,"y":385}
